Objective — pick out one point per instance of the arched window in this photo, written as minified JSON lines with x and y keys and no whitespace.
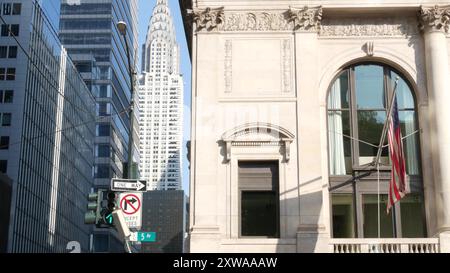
{"x":357,"y":109}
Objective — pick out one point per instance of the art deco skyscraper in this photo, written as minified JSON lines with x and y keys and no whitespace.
{"x":161,"y":103}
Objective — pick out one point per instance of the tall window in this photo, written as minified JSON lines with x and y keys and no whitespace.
{"x":357,"y":107}
{"x":259,"y":199}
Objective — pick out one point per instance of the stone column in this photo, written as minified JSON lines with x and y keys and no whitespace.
{"x":435,"y":22}
{"x":311,"y":232}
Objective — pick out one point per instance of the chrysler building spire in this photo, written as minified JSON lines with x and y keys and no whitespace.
{"x":161,"y":104}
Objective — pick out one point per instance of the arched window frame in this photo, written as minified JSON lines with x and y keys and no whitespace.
{"x":361,"y":181}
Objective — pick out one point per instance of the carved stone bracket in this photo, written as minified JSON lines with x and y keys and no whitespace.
{"x":436,"y":18}
{"x":208,"y":19}
{"x":306,"y":19}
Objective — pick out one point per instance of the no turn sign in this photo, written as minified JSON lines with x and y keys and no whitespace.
{"x":131,"y":205}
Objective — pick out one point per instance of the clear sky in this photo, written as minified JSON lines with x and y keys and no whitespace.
{"x":145,"y":13}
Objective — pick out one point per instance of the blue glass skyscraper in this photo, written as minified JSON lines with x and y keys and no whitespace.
{"x":88,"y":31}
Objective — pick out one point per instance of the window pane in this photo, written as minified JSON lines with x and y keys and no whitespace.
{"x":12,"y":52}
{"x":4,"y":143}
{"x":5,"y":31}
{"x":343,"y":216}
{"x":17,"y":8}
{"x":1,"y":96}
{"x":410,"y":141}
{"x":2,"y":74}
{"x":103,"y":130}
{"x":6,"y":119}
{"x":405,"y":99}
{"x":3,"y":166}
{"x":370,"y":212}
{"x":6,"y":9}
{"x":370,"y":127}
{"x":369,"y":80}
{"x":103,"y":151}
{"x":15,"y":30}
{"x":339,"y":145}
{"x":259,"y":213}
{"x":339,"y":93}
{"x":8,"y":96}
{"x":413,"y":221}
{"x":3,"y":51}
{"x":11,"y":74}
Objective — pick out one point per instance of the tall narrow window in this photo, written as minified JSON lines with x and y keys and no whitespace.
{"x":358,"y":101}
{"x":259,"y":198}
{"x":6,"y":119}
{"x":4,"y":143}
{"x":3,"y":166}
{"x":17,"y":9}
{"x":12,"y":52}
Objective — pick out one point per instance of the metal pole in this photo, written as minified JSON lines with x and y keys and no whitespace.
{"x":131,"y":112}
{"x":384,"y":132}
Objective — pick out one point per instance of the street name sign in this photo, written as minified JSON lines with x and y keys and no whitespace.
{"x":145,"y":237}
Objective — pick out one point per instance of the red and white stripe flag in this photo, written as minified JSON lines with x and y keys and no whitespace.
{"x":398,"y":186}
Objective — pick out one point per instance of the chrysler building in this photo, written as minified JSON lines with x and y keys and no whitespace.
{"x":161,"y":104}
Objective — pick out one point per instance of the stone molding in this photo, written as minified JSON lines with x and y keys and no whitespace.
{"x":435,"y":18}
{"x":372,"y":27}
{"x":256,"y":135}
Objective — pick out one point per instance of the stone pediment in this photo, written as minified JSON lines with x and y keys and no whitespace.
{"x":257,"y":134}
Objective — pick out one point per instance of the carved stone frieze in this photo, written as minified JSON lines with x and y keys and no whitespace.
{"x":306,"y":19}
{"x":287,"y":71}
{"x":373,"y":27}
{"x":257,"y":21}
{"x":228,"y":66}
{"x":436,"y":18}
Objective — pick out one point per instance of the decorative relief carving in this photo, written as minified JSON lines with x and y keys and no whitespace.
{"x":306,"y":18}
{"x":262,"y":21}
{"x":208,"y":19}
{"x":228,"y":66}
{"x":368,"y":48}
{"x":346,"y":27}
{"x":436,"y":18}
{"x":286,"y":72}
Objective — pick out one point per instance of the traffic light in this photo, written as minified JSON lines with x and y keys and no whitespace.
{"x":92,"y":216}
{"x":106,"y":213}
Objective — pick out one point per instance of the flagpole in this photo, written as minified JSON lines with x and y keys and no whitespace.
{"x":376,"y":162}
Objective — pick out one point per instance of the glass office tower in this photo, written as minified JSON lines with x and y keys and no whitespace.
{"x":47,"y":133}
{"x":88,"y":31}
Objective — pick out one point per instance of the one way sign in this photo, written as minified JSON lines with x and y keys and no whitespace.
{"x":118,"y":184}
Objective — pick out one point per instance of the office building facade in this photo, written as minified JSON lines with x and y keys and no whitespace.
{"x":161,"y":104}
{"x":288,"y":107}
{"x":164,"y":212}
{"x":88,"y":31}
{"x":47,"y":133}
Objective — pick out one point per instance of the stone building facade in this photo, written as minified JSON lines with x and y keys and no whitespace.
{"x":288,"y":105}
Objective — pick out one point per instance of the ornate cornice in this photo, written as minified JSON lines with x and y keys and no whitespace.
{"x":436,"y":18}
{"x":306,"y":19}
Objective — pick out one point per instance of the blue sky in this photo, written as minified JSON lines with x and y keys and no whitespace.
{"x":145,"y":13}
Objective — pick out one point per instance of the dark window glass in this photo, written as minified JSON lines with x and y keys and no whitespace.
{"x":8,"y":96}
{"x":6,"y":119}
{"x":1,"y":96}
{"x":5,"y":31}
{"x":413,"y":220}
{"x":15,"y":30}
{"x":103,"y":151}
{"x":2,"y":74}
{"x":101,"y":243}
{"x":343,"y":216}
{"x":17,"y":9}
{"x":370,"y":215}
{"x":259,"y":213}
{"x":6,"y":9}
{"x":102,"y":171}
{"x":11,"y":74}
{"x":4,"y":143}
{"x":3,"y":166}
{"x":12,"y":54}
{"x":103,"y":130}
{"x":3,"y":51}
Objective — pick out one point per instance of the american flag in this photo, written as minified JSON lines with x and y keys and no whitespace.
{"x":398,"y":186}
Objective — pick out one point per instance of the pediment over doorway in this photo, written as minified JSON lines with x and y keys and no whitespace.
{"x":257,"y":134}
